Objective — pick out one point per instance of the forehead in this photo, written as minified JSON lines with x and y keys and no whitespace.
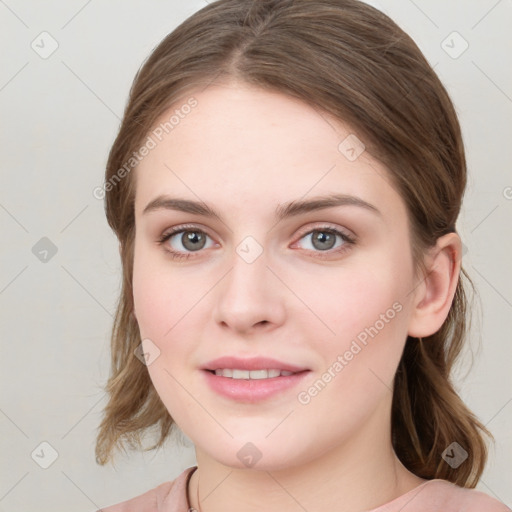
{"x":241,"y":142}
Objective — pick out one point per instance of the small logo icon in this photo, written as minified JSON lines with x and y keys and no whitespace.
{"x":249,"y":249}
{"x":454,"y":455}
{"x":454,"y":45}
{"x":44,"y":455}
{"x":147,"y":352}
{"x":463,"y":251}
{"x":44,"y":45}
{"x":351,"y":147}
{"x":44,"y":250}
{"x":249,"y":455}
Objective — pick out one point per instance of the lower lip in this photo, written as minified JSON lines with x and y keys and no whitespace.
{"x":252,"y":390}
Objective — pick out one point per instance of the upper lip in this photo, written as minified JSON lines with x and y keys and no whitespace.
{"x":253,"y":363}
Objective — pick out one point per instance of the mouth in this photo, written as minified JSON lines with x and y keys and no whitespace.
{"x":264,"y":374}
{"x":251,"y":368}
{"x":252,"y":380}
{"x":253,"y":386}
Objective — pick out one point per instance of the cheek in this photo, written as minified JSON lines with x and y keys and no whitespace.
{"x":158,"y":296}
{"x":160,"y":306}
{"x":365,"y":308}
{"x":351,"y":298}
{"x":150,"y":303}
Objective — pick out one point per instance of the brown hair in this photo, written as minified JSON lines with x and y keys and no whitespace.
{"x":350,"y":61}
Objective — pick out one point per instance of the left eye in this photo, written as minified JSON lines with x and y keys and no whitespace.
{"x":188,"y":240}
{"x":325,"y":239}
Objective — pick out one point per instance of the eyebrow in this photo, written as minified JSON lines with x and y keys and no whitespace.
{"x":283,"y":211}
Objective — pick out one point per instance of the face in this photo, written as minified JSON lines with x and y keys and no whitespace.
{"x":277,"y":272}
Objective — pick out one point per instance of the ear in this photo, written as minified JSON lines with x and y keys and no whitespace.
{"x":433,"y":297}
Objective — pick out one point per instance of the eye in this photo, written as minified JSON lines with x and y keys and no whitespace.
{"x":183,"y":240}
{"x":327,"y":239}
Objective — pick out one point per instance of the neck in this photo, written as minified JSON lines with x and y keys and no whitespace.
{"x":359,"y":475}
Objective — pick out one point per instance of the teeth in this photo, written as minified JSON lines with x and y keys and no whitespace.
{"x":251,"y":374}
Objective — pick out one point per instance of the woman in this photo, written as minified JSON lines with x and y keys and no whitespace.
{"x":285,"y":186}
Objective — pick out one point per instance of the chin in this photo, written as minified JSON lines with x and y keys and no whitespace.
{"x":258,"y":456}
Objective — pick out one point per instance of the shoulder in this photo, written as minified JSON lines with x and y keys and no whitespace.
{"x":168,"y":496}
{"x":147,"y":502}
{"x":452,"y":498}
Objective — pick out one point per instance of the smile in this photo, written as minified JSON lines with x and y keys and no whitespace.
{"x":251,"y":374}
{"x":252,"y":386}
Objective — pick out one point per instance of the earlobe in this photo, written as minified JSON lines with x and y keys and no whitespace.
{"x":434,"y":297}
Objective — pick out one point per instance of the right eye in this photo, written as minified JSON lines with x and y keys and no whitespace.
{"x":184,"y":241}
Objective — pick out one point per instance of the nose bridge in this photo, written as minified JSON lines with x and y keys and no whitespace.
{"x":247,"y":273}
{"x":248,"y":278}
{"x":247,"y":295}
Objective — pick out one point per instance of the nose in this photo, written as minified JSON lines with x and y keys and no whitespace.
{"x":249,"y":298}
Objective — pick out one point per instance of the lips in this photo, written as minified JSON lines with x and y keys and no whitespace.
{"x":252,"y":390}
{"x":254,"y":363}
{"x":252,"y":374}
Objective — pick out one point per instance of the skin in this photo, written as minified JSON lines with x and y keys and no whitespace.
{"x":244,"y":151}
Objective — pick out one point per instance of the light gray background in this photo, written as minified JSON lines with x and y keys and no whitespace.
{"x":59,"y":116}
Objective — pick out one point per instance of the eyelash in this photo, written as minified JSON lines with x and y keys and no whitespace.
{"x":349,"y":240}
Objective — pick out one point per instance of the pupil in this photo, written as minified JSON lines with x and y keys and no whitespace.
{"x":193,"y":240}
{"x":323,"y":240}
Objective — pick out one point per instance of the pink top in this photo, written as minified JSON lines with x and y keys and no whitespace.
{"x":433,"y":496}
